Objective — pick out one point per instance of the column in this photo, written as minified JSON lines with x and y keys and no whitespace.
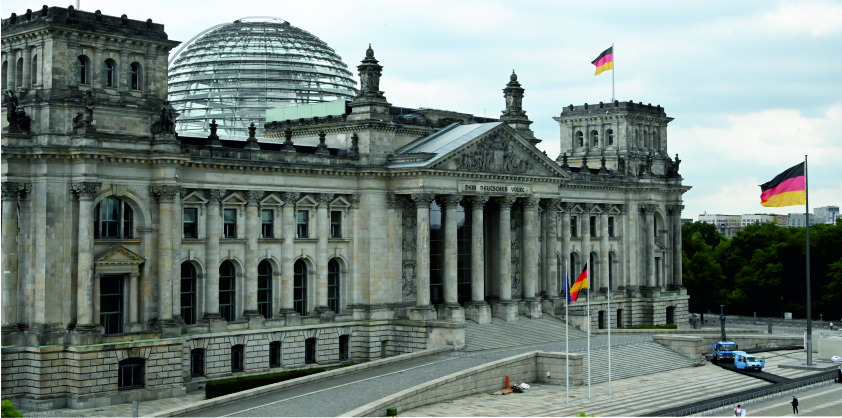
{"x":565,"y":243}
{"x":505,"y":309}
{"x":213,"y":231}
{"x":12,"y":59}
{"x":27,"y":57}
{"x":86,"y":191}
{"x":96,"y":69}
{"x":531,"y":248}
{"x":134,"y":301}
{"x":478,"y":311}
{"x":97,"y":298}
{"x":322,"y":232}
{"x":452,"y":311}
{"x":649,"y":213}
{"x":11,"y":191}
{"x":423,"y":310}
{"x":553,"y":249}
{"x":287,"y":258}
{"x":252,"y":234}
{"x":675,"y":210}
{"x":603,"y":250}
{"x":585,"y":228}
{"x":166,"y":198}
{"x":123,"y":68}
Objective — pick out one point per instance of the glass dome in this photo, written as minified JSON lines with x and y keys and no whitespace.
{"x":233,"y":72}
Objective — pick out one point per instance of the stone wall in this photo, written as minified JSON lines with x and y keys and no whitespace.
{"x":696,"y":346}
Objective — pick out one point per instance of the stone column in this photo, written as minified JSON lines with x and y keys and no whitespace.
{"x":633,"y":242}
{"x":12,"y":59}
{"x":423,"y":310}
{"x":27,"y":57}
{"x":531,"y":249}
{"x":649,"y":213}
{"x":287,"y":257}
{"x":96,"y":68}
{"x":213,"y":232}
{"x":677,"y":282}
{"x":134,"y":301}
{"x":124,"y":69}
{"x":97,"y":298}
{"x":478,"y":311}
{"x":452,"y":311}
{"x":252,"y":234}
{"x":166,"y":198}
{"x":585,"y":228}
{"x":565,"y":243}
{"x":322,"y":232}
{"x":505,"y":309}
{"x":604,"y":247}
{"x":551,"y":258}
{"x":11,"y":192}
{"x":86,"y":191}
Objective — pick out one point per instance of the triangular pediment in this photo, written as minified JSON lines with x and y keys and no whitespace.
{"x":234,"y":199}
{"x":340,"y":202}
{"x":306,"y":200}
{"x":118,"y":254}
{"x":499,"y":151}
{"x":194,"y":198}
{"x":271,"y":200}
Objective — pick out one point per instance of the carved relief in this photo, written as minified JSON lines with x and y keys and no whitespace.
{"x":164,"y":193}
{"x":409,"y":249}
{"x":494,"y":154}
{"x":11,"y":190}
{"x":86,"y":190}
{"x":253,"y":196}
{"x":516,"y":269}
{"x":215,"y":196}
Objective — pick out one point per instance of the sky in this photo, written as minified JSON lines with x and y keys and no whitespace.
{"x":754,"y":86}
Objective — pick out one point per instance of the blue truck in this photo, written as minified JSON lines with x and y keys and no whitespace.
{"x":745,"y":361}
{"x":724,"y":350}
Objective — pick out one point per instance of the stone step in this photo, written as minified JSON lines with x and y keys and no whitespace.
{"x":525,"y":331}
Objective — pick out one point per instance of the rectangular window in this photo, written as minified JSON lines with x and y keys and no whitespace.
{"x":574,"y":226}
{"x":275,"y":354}
{"x":197,"y":362}
{"x":230,"y":223}
{"x":303,"y":221}
{"x":237,"y":358}
{"x":611,"y":226}
{"x":593,"y":226}
{"x":310,"y":351}
{"x":267,"y":226}
{"x":111,"y":304}
{"x":189,"y":221}
{"x":344,"y":352}
{"x":335,"y":224}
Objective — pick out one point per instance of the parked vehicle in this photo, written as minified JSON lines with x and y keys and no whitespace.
{"x":724,"y":350}
{"x":745,"y":361}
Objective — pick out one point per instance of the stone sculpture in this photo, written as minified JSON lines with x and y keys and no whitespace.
{"x":15,"y":115}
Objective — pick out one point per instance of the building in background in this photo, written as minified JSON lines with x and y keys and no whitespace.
{"x":826,"y":214}
{"x":234,"y":72}
{"x":721,"y":220}
{"x":797,"y":220}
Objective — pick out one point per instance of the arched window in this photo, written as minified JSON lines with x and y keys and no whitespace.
{"x":130,"y":374}
{"x":197,"y":362}
{"x":299,"y":287}
{"x":594,"y":138}
{"x":108,"y":73}
{"x":82,"y":70}
{"x":610,"y":134}
{"x":264,"y":289}
{"x":4,"y":75}
{"x":237,"y":358}
{"x":34,"y":70}
{"x":227,"y":290}
{"x":134,"y":70}
{"x":19,"y":73}
{"x":188,"y":293}
{"x":113,"y":218}
{"x":275,"y":354}
{"x":333,"y":285}
{"x":581,"y":139}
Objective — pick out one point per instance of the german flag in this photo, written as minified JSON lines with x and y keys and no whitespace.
{"x":605,"y":61}
{"x":581,"y":282}
{"x":786,"y":189}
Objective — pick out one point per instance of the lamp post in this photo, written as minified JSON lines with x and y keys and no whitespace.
{"x":722,"y":321}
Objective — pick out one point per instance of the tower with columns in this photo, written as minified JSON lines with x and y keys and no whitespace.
{"x":381,"y":230}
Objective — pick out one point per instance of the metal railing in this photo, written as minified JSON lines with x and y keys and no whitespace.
{"x":751,"y":397}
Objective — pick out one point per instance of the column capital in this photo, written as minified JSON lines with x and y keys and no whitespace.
{"x":569,"y":206}
{"x":478,"y":201}
{"x":253,"y":196}
{"x":12,"y":190}
{"x":589,"y":207}
{"x":505,"y":202}
{"x":621,"y":207}
{"x":552,"y":204}
{"x":393,"y":201}
{"x":451,"y":200}
{"x":423,"y":199}
{"x":86,"y":190}
{"x":648,"y":208}
{"x":164,"y":193}
{"x":134,"y":275}
{"x":290,"y":197}
{"x":324,"y":199}
{"x":182,"y":192}
{"x":215,"y":196}
{"x":531,"y":202}
{"x":354,"y":199}
{"x":675,"y":209}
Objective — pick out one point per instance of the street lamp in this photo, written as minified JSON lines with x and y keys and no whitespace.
{"x":722,"y":321}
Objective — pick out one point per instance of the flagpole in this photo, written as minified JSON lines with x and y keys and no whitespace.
{"x":567,"y":333}
{"x":809,"y":307}
{"x":613,"y":69}
{"x":588,"y":275}
{"x":608,"y":314}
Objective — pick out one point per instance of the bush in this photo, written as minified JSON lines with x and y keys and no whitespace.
{"x":667,"y":326}
{"x":223,"y":387}
{"x":8,"y":410}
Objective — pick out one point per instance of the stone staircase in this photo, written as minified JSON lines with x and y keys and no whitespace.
{"x":632,"y":361}
{"x":523,"y":332}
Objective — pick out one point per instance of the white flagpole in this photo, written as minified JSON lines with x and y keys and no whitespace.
{"x":588,"y":275}
{"x":567,"y":333}
{"x":608,"y":314}
{"x":613,"y":66}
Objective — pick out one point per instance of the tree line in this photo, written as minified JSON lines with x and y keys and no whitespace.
{"x":763,"y":269}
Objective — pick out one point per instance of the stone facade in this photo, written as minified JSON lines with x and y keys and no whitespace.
{"x":139,"y":262}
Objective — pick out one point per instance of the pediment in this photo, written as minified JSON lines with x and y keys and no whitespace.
{"x":234,"y":199}
{"x":306,"y":200}
{"x":271,"y":200}
{"x":340,"y":202}
{"x":615,"y":210}
{"x":500,"y":151}
{"x":118,"y":254}
{"x":194,"y":198}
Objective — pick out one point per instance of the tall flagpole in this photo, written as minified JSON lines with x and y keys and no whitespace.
{"x":567,"y":332}
{"x":588,"y":275}
{"x":809,"y":307}
{"x":613,"y":69}
{"x":608,"y":314}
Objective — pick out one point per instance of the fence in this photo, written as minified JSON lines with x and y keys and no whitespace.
{"x":753,"y":396}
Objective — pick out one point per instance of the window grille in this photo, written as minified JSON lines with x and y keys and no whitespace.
{"x":227,"y":289}
{"x":333,"y":285}
{"x":130,"y":374}
{"x":299,"y":288}
{"x":264,"y":289}
{"x":189,"y":221}
{"x":237,"y":354}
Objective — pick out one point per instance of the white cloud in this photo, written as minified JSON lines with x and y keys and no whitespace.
{"x":815,"y":17}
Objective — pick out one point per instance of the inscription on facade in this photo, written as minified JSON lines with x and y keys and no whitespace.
{"x":492,"y":189}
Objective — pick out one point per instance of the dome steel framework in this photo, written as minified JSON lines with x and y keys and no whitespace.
{"x":235,"y":71}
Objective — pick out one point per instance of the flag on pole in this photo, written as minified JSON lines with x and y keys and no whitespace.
{"x":786,"y":189}
{"x":605,"y":61}
{"x":566,"y":293}
{"x":581,"y":283}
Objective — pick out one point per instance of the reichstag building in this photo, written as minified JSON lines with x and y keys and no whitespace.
{"x":140,"y":262}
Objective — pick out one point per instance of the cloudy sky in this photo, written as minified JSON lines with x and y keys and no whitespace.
{"x":753,"y":85}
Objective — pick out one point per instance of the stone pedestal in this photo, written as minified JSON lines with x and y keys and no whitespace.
{"x":290,"y":317}
{"x":548,"y":305}
{"x":255,"y":319}
{"x":325,"y":314}
{"x":11,"y":335}
{"x":169,"y":329}
{"x":650,"y":291}
{"x":678,"y":288}
{"x":505,"y":310}
{"x":86,"y":334}
{"x":216,"y":323}
{"x":165,"y":143}
{"x":422,"y":313}
{"x":479,"y":312}
{"x":532,"y":308}
{"x":452,"y":312}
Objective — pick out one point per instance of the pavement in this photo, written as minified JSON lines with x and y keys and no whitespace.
{"x":825,"y":401}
